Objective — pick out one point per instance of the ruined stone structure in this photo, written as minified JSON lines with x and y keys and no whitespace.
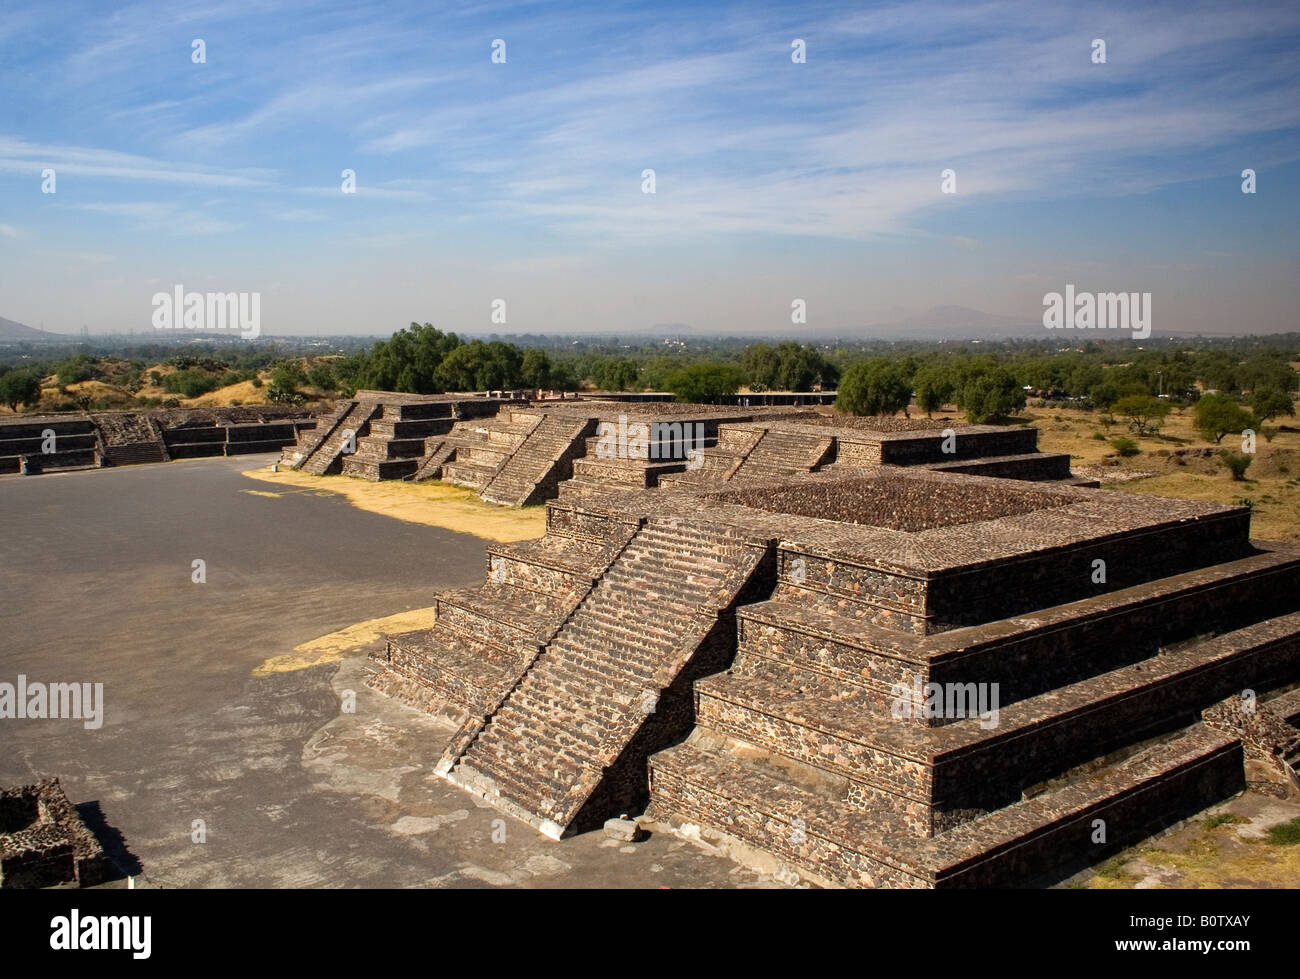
{"x":381,"y":435}
{"x":43,"y":840}
{"x":810,"y":442}
{"x":880,"y":675}
{"x":32,"y":444}
{"x":528,"y":453}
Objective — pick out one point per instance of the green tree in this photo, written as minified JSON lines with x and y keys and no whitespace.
{"x":480,"y":366}
{"x":1144,"y":413}
{"x":536,"y":368}
{"x":618,"y":374}
{"x":1218,"y":414}
{"x":704,"y":383}
{"x":801,"y":368}
{"x":1268,"y":403}
{"x":991,"y":395}
{"x":760,"y":364}
{"x":934,"y":388}
{"x":874,"y":387}
{"x":19,"y":388}
{"x":407,"y":361}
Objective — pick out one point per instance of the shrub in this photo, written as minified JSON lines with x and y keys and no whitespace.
{"x":190,"y":383}
{"x":1125,"y":447}
{"x":322,"y":376}
{"x":1097,"y":436}
{"x":1237,"y":464}
{"x":1285,"y":834}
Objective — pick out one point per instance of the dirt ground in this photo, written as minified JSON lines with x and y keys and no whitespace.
{"x":1226,"y":846}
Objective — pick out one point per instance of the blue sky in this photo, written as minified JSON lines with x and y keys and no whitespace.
{"x":522,"y":181}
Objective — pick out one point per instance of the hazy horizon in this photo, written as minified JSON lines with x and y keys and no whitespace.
{"x":522,"y":181}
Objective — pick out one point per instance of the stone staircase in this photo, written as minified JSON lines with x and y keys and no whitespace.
{"x":1268,"y":724}
{"x":396,"y":443}
{"x":130,"y":438}
{"x":437,"y":452}
{"x":483,"y":638}
{"x":779,"y":453}
{"x":567,"y":746}
{"x":320,"y":451}
{"x":533,"y":472}
{"x":482,"y":447}
{"x":600,"y":472}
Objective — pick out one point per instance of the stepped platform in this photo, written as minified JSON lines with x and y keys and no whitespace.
{"x":381,"y":435}
{"x":50,"y":443}
{"x":531,"y":452}
{"x":882,"y":675}
{"x":809,"y":443}
{"x":748,"y":799}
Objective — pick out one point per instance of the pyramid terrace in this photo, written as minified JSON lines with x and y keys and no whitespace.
{"x":729,"y":652}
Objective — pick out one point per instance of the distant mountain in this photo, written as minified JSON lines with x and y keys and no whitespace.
{"x":10,"y":330}
{"x":954,"y":323}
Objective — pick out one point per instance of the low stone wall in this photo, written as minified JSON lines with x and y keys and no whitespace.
{"x":43,"y":840}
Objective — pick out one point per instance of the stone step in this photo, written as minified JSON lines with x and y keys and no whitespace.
{"x":973,"y":764}
{"x":835,"y":844}
{"x":377,"y":469}
{"x":585,"y":716}
{"x":501,"y":613}
{"x":611,"y":666}
{"x":1035,"y":466}
{"x":467,"y":474}
{"x":466,"y":672}
{"x":1029,"y":654}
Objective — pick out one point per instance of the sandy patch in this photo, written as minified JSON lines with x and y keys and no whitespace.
{"x":331,"y":647}
{"x":432,"y":504}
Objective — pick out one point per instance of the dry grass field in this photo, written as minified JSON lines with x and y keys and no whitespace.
{"x":1179,"y":462}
